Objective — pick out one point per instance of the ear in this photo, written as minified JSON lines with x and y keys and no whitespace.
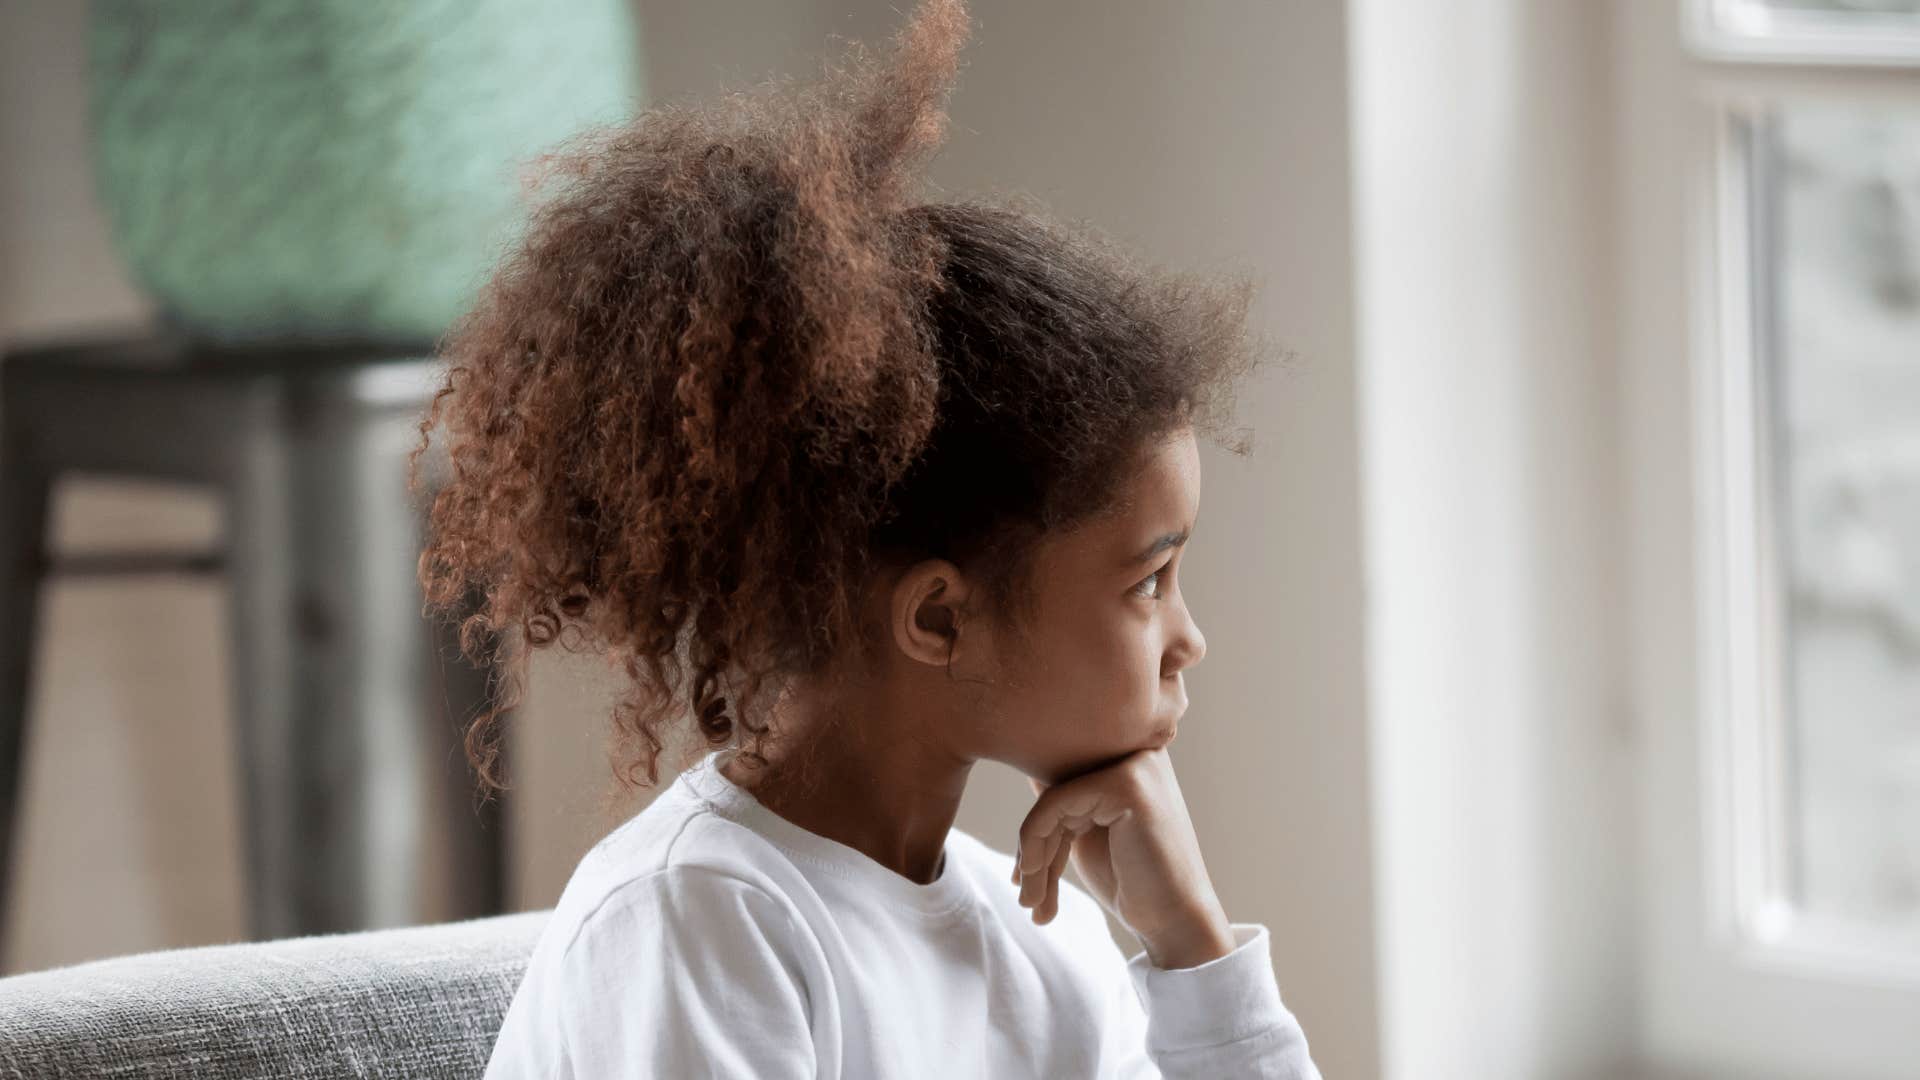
{"x":929,"y":600}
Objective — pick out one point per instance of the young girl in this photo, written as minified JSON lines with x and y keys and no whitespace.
{"x":871,"y":490}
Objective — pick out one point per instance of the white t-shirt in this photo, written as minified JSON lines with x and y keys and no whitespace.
{"x":708,"y":936}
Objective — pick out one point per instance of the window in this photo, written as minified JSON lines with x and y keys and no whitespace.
{"x":1819,"y":31}
{"x":1819,"y":467}
{"x":1770,"y":162}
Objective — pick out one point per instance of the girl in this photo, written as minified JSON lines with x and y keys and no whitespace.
{"x":872,"y":490}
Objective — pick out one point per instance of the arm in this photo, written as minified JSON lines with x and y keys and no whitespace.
{"x":1221,"y":1018}
{"x":687,"y":973}
{"x":1207,"y":1000}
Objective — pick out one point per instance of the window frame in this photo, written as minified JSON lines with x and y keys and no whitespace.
{"x":1738,"y":31}
{"x":1712,"y":999}
{"x":1745,"y":690}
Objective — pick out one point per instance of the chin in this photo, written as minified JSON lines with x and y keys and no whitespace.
{"x":1091,"y":761}
{"x":1164,"y":733}
{"x":1156,"y":734}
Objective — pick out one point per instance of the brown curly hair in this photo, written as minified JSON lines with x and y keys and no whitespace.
{"x":733,"y":369}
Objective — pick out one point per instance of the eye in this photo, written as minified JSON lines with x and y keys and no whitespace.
{"x":1150,"y":587}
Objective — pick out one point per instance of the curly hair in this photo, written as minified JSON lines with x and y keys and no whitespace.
{"x":733,"y":369}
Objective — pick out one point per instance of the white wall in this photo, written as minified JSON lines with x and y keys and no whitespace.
{"x":1500,"y":749}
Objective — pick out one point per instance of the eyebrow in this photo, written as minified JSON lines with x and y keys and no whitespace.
{"x":1160,"y":544}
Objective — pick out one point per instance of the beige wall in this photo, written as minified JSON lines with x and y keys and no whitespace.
{"x":57,"y":268}
{"x":1203,"y":134}
{"x":127,"y":828}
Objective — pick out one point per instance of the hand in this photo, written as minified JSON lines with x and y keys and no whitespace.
{"x":1126,"y":828}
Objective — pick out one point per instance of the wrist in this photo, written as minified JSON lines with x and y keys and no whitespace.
{"x":1201,"y":936}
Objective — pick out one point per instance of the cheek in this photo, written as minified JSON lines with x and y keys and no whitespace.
{"x":1109,"y":681}
{"x":1142,"y":676}
{"x":1078,"y":698}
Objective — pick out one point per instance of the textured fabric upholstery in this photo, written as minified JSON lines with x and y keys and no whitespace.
{"x":417,"y":1002}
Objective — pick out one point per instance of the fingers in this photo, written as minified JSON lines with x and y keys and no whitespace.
{"x":1075,"y":805}
{"x":1050,"y":906}
{"x":1033,"y":882}
{"x":1040,"y":885}
{"x":1061,"y":812}
{"x":1030,"y":856}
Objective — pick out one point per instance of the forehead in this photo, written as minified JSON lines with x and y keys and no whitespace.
{"x":1162,"y":496}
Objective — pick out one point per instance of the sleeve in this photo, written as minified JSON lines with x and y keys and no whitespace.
{"x":1221,"y":1018}
{"x":686,"y":973}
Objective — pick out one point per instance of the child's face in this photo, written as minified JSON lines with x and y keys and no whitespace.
{"x":1099,"y":672}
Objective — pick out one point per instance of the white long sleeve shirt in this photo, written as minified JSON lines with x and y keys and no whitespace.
{"x":709,"y":937}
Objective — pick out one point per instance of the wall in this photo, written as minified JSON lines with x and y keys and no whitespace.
{"x":1499,"y":730}
{"x":57,"y":267}
{"x":127,"y":833}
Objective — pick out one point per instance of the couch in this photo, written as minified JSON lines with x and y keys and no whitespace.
{"x":422,"y":1001}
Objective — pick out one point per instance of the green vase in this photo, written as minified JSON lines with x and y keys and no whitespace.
{"x":328,"y":170}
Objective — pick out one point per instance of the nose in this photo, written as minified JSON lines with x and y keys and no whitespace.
{"x":1186,"y":648}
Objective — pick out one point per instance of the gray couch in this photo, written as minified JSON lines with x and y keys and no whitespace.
{"x":417,"y":1002}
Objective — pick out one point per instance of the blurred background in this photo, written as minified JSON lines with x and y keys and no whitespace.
{"x":1562,"y":708}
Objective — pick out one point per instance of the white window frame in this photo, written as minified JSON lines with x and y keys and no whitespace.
{"x":1730,"y":984}
{"x":1743,"y":635}
{"x":1747,"y":30}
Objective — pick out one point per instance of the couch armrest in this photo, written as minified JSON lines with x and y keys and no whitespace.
{"x":413,"y":1002}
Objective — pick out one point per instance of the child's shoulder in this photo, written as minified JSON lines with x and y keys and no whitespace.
{"x":672,"y":840}
{"x":677,"y":852}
